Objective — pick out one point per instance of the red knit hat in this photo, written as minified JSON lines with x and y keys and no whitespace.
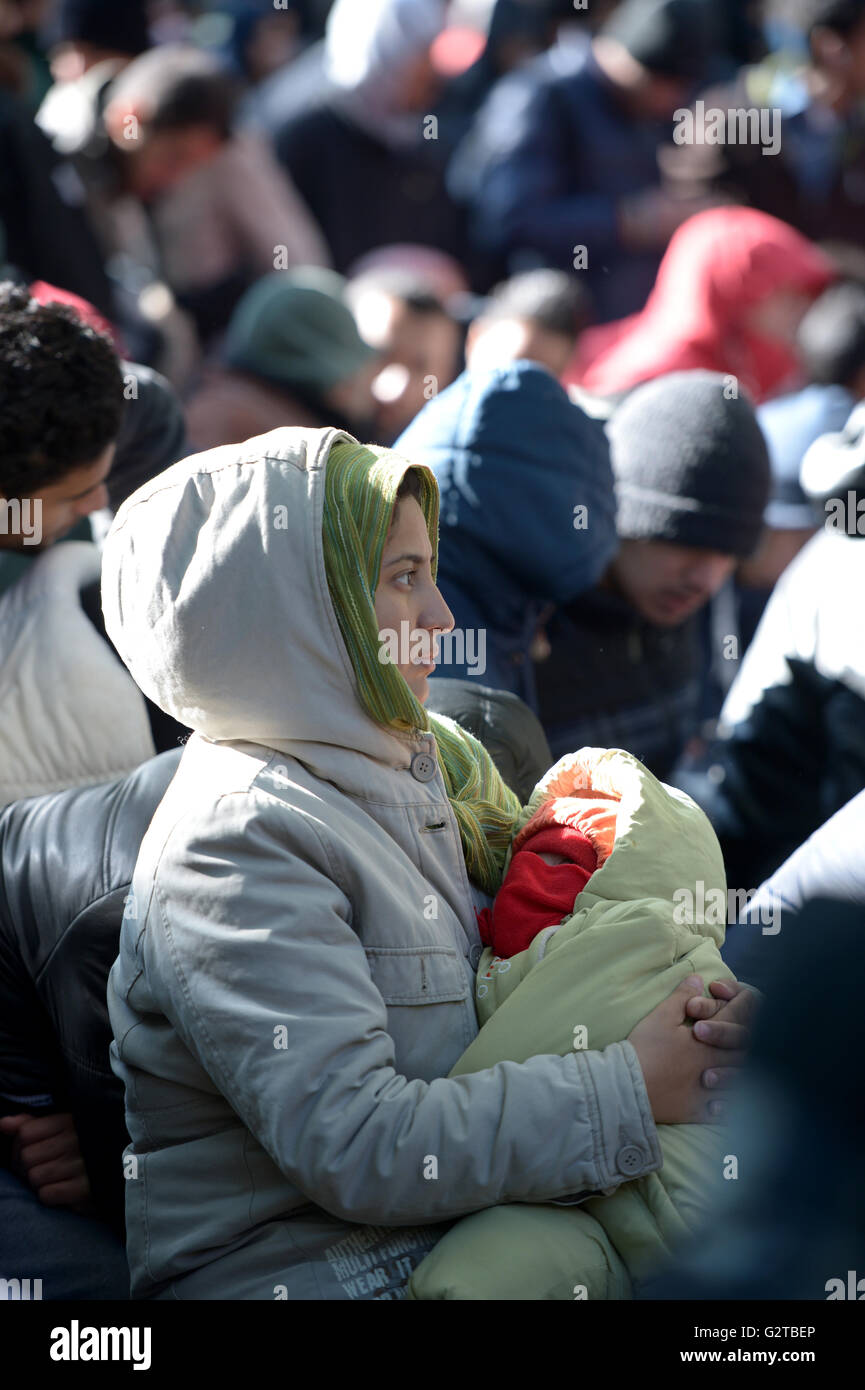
{"x":535,"y":895}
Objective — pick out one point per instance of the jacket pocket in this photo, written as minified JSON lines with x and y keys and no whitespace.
{"x":417,"y":975}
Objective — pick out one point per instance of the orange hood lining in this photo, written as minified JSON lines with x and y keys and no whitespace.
{"x":581,"y":796}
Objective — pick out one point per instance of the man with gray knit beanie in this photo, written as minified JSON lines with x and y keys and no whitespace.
{"x":692,"y":482}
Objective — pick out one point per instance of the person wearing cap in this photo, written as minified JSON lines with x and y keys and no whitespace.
{"x":692,"y":482}
{"x":292,"y":356}
{"x":790,"y":749}
{"x":563,"y":154}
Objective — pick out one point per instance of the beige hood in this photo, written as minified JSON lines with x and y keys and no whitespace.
{"x":215,"y":595}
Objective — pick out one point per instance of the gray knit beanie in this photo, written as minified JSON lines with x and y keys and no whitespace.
{"x":690,"y":463}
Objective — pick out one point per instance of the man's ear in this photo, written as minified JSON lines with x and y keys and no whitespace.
{"x":125,"y":123}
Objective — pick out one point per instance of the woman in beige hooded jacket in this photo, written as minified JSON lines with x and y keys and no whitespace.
{"x":297,"y":959}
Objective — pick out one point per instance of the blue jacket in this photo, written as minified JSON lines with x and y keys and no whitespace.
{"x":514,"y":459}
{"x":543,"y":169}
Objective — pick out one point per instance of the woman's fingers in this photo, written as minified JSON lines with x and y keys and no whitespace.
{"x":701,"y":1007}
{"x":725,"y":989}
{"x":720,"y":1033}
{"x":717,"y":1078}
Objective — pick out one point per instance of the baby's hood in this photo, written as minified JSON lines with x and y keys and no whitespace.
{"x":215,"y":595}
{"x":652,"y":841}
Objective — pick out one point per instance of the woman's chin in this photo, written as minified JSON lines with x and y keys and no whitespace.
{"x":417,"y":680}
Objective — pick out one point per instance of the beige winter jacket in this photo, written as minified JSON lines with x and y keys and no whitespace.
{"x":297,"y":961}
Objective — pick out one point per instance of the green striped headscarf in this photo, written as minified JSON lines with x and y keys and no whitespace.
{"x":360,"y":488}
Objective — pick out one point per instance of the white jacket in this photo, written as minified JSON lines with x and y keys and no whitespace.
{"x":70,"y":715}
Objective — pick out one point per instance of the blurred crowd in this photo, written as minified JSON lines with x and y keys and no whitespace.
{"x":514,"y":239}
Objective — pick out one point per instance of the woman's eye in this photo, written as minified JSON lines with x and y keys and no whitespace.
{"x":409,"y":575}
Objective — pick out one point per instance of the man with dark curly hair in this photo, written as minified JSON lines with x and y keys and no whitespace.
{"x":61,"y":404}
{"x":69,"y":713}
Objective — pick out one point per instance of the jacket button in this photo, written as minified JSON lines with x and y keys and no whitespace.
{"x":475,"y":956}
{"x":629,"y":1159}
{"x":423,"y":767}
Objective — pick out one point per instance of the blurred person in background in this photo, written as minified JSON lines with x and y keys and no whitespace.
{"x":815,"y":180}
{"x":564,"y":153}
{"x":91,"y":41}
{"x":790,"y":747}
{"x":257,"y":39}
{"x":788,"y":1227}
{"x":515,"y":459}
{"x":538,"y":316}
{"x":44,"y":227}
{"x":182,"y":205}
{"x":624,"y":666}
{"x":292,"y":356}
{"x":69,"y":714}
{"x":831,"y":344}
{"x":24,"y":69}
{"x":364,"y":150}
{"x":729,"y":296}
{"x":417,"y":340}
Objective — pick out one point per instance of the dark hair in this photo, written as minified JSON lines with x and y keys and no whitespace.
{"x":410,"y":487}
{"x":61,"y":392}
{"x":841,"y":16}
{"x":410,"y":289}
{"x":177,"y":86}
{"x":832,"y":335}
{"x":552,"y":299}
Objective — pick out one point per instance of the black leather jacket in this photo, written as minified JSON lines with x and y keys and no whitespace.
{"x":66,"y":863}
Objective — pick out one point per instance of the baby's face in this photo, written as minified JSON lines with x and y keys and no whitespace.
{"x":553,"y":858}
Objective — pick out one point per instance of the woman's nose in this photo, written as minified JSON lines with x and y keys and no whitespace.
{"x":441,"y":616}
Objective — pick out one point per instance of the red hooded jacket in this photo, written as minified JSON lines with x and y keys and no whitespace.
{"x":718,"y":265}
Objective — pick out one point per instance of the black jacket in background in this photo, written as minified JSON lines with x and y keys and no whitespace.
{"x":614,"y":680}
{"x":66,"y":863}
{"x":42,"y":213}
{"x":791,"y":744}
{"x":365,"y":195}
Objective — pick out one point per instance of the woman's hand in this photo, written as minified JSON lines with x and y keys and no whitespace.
{"x":678,"y":1062}
{"x":45,"y":1152}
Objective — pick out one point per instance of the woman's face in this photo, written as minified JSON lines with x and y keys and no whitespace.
{"x":409,"y":609}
